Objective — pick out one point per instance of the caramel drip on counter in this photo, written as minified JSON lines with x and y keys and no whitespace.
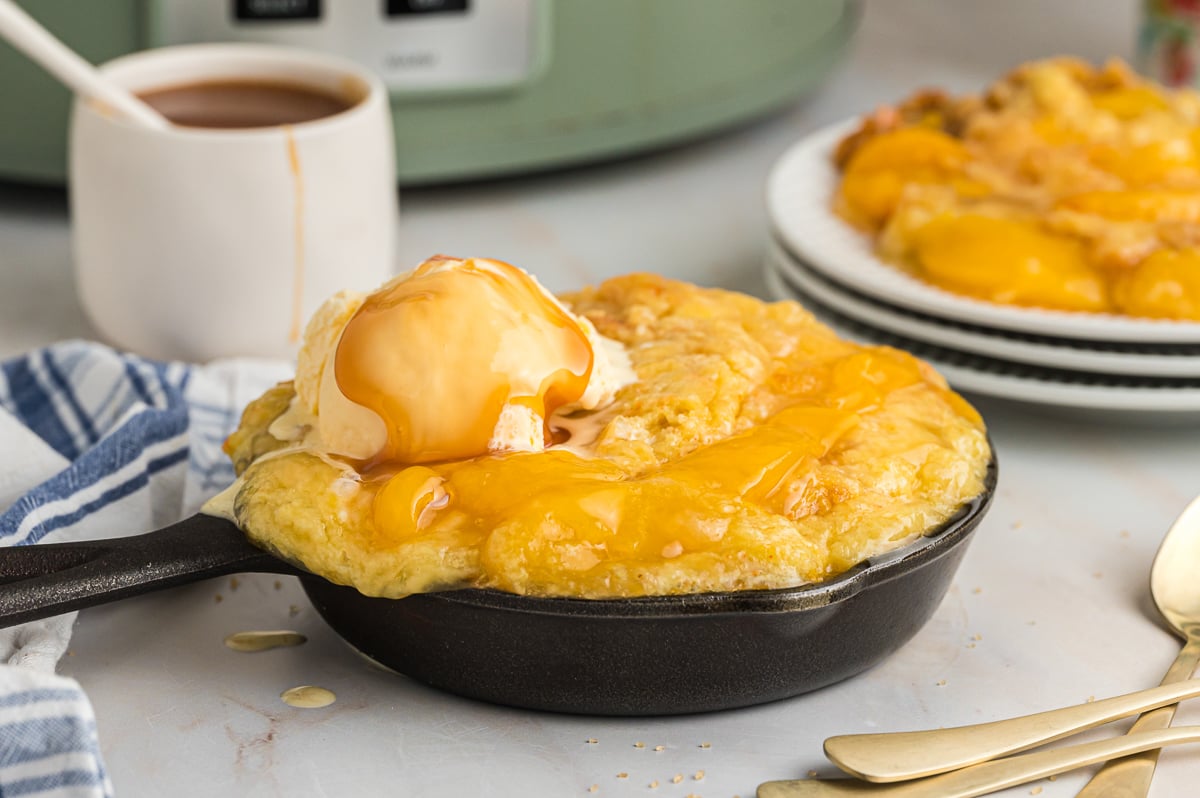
{"x":440,"y":354}
{"x":308,"y":697}
{"x":264,"y":641}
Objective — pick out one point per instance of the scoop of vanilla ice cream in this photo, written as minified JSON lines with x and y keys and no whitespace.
{"x":454,"y":359}
{"x":320,"y":340}
{"x":333,"y":422}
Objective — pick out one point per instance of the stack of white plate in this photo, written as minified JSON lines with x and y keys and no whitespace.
{"x":1094,"y":362}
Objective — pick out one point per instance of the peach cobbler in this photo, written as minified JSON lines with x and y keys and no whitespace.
{"x":1063,"y":186}
{"x":460,"y":426}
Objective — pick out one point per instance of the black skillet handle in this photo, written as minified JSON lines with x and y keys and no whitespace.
{"x":43,"y":580}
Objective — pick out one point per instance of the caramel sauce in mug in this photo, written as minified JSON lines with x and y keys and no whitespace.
{"x":244,"y":103}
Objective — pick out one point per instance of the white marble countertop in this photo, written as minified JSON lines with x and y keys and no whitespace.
{"x":1050,"y":607}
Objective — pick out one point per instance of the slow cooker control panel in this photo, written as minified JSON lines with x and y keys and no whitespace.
{"x":414,"y":45}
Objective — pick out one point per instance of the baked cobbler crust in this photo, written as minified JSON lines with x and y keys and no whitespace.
{"x":755,"y":450}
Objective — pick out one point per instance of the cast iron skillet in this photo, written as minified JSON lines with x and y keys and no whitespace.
{"x":645,"y":656}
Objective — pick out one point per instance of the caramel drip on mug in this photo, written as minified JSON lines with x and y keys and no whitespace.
{"x":298,"y":214}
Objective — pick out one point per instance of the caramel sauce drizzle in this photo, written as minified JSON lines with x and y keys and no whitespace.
{"x":440,"y":354}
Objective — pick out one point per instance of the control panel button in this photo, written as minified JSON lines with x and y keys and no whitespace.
{"x":276,"y":10}
{"x":399,"y":8}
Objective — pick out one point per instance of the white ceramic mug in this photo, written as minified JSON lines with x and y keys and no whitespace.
{"x":197,"y":243}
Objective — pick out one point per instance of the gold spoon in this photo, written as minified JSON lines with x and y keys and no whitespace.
{"x":898,"y":756}
{"x":906,"y":755}
{"x":987,"y":777}
{"x":1175,"y":586}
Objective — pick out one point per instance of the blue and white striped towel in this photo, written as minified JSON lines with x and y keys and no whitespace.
{"x":96,"y":444}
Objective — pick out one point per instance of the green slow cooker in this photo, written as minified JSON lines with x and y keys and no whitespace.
{"x":480,"y":88}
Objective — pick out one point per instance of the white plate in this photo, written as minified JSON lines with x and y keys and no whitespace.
{"x":799,"y":193}
{"x":1110,"y":398}
{"x":1146,"y":360}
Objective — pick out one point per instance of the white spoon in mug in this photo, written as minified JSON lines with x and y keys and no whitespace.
{"x":27,"y":35}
